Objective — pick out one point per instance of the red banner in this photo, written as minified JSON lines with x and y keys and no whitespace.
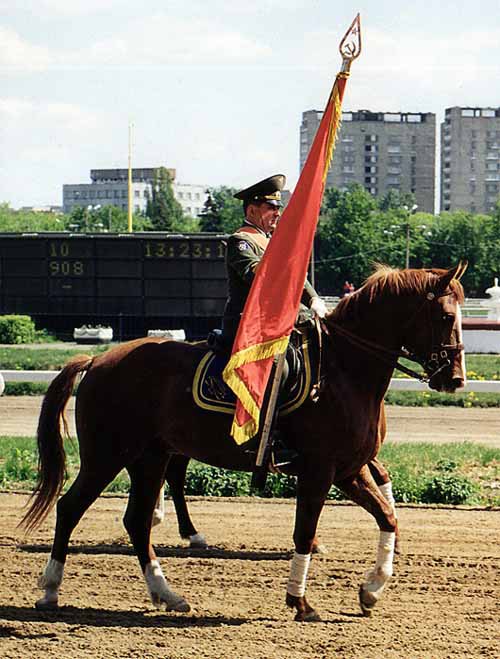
{"x":273,"y":302}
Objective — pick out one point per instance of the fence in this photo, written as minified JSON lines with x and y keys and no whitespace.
{"x":402,"y":384}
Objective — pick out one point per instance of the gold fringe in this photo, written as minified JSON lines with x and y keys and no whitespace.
{"x":335,"y":122}
{"x":232,"y":379}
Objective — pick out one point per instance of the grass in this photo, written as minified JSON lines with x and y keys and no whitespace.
{"x":421,"y":472}
{"x":42,"y":359}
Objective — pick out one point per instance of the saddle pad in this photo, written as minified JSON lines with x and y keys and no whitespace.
{"x":210,"y":392}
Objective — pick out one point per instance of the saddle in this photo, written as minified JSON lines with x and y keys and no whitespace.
{"x":210,"y":392}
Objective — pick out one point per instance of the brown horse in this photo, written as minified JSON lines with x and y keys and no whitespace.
{"x":134,"y":409}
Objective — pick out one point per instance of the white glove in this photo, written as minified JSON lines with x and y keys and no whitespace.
{"x":318,"y":307}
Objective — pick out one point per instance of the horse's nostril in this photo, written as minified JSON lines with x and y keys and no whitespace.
{"x":457,"y":383}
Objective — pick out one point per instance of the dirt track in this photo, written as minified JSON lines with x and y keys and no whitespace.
{"x":19,"y":416}
{"x":439,"y":604}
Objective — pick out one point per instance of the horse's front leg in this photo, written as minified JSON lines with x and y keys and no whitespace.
{"x":312,"y":490}
{"x":363,"y":490}
{"x":383,"y":480}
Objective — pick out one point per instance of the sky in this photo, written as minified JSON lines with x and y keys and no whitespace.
{"x":216,"y":88}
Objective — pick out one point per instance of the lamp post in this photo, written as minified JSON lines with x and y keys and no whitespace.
{"x":409,"y":211}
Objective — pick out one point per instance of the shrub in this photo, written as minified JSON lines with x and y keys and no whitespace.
{"x":17,"y":329}
{"x":448,"y":488}
{"x":20,"y":465}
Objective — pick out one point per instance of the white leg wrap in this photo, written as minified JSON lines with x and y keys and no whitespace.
{"x":160,"y":592}
{"x":377,"y":577}
{"x":159,"y":511}
{"x":51,"y":580}
{"x":298,"y":574}
{"x":386,"y":492}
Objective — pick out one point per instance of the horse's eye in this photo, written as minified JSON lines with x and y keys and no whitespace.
{"x":448,"y":318}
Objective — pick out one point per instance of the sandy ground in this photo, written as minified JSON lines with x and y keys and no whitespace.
{"x":19,"y":416}
{"x":440,"y":602}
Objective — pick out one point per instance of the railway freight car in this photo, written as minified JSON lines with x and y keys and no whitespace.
{"x":132,"y":282}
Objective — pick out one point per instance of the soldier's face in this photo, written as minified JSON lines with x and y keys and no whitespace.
{"x":265,"y":216}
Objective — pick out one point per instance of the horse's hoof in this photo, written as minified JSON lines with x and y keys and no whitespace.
{"x":46,"y":605}
{"x":319,"y":549}
{"x":197,"y":541}
{"x":366,"y":607}
{"x":308,"y":616}
{"x":180,"y":606}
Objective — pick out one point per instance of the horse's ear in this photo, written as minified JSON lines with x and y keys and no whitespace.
{"x":453,"y":273}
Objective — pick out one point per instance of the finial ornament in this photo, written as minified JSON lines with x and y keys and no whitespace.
{"x":350,"y":46}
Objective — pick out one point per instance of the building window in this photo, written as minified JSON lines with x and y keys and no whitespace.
{"x":137,"y":193}
{"x":116,"y":194}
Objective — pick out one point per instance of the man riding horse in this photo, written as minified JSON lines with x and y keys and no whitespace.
{"x":245,"y":247}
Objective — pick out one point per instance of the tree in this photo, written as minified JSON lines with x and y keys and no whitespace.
{"x":13,"y":220}
{"x":222,"y":212}
{"x":349,"y":238}
{"x":210,"y":218}
{"x":163,"y":209}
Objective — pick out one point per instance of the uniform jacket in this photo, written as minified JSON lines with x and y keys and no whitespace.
{"x":244,"y":250}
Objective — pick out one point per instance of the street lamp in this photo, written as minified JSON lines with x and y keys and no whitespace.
{"x":409,"y":211}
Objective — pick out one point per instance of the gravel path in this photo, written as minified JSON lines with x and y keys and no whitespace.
{"x":19,"y":416}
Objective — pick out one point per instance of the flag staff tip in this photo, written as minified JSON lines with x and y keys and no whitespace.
{"x":350,"y":46}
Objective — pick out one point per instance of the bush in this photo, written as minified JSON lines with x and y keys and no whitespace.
{"x":17,"y":329}
{"x":448,"y":488}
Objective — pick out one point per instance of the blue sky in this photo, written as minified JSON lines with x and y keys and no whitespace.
{"x":213,"y":88}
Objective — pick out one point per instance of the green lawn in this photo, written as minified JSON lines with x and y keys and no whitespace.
{"x":421,"y":473}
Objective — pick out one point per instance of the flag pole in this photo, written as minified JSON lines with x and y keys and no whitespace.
{"x":350,"y":48}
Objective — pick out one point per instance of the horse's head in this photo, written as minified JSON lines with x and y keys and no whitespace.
{"x":434,"y":335}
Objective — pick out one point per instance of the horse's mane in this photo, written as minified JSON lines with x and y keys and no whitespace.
{"x":392,"y":281}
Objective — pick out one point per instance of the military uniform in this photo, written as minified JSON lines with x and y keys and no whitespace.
{"x":245,"y":248}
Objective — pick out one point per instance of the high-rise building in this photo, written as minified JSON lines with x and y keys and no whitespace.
{"x":382,"y":151}
{"x":470,"y":159}
{"x":109,"y":187}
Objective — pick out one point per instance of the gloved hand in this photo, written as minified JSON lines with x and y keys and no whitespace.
{"x":318,"y":307}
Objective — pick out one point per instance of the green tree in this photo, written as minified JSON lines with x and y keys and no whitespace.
{"x":210,"y":218}
{"x":223,"y":213}
{"x":349,"y":238}
{"x":163,"y":209}
{"x":17,"y":220}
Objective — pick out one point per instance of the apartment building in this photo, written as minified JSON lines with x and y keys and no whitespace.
{"x":109,"y":187}
{"x":470,"y":159}
{"x":382,"y":151}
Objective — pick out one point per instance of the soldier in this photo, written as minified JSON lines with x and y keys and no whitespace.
{"x":245,"y":247}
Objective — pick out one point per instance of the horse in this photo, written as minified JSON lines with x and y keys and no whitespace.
{"x":134,"y":409}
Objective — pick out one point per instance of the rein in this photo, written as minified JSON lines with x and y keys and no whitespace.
{"x":438,"y":357}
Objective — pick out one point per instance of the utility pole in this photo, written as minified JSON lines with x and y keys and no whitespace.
{"x":130,"y":178}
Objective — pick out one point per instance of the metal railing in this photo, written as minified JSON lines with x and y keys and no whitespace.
{"x":402,"y":384}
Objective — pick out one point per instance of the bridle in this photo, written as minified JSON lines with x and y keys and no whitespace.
{"x":436,"y":359}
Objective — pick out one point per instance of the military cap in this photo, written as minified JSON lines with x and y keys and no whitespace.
{"x":268,"y":190}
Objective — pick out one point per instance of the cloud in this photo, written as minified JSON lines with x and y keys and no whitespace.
{"x":23,"y":115}
{"x":155,"y":41}
{"x":17,"y":53}
{"x":163,"y":40}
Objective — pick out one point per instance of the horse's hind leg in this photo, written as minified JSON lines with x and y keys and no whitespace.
{"x":71,"y":507}
{"x":176,"y":479}
{"x":363,"y":490}
{"x":383,"y":481}
{"x":146,"y":477}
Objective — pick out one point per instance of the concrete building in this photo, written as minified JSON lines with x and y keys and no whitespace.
{"x":382,"y":151}
{"x":109,"y":187}
{"x":470,"y":159}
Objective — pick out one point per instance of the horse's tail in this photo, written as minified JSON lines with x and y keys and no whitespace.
{"x":51,"y":453}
